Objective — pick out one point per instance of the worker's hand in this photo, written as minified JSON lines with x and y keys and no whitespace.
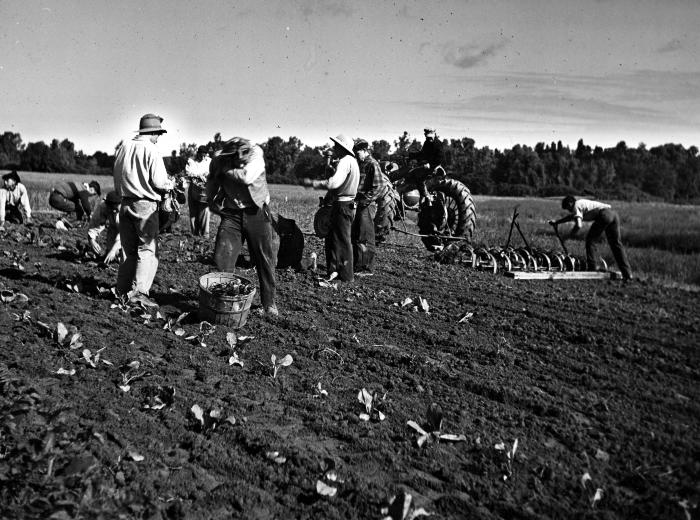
{"x":307,"y":182}
{"x":319,"y":185}
{"x":552,"y":223}
{"x":111,"y":256}
{"x":95,"y":247}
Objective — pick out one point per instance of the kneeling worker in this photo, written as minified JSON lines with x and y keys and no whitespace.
{"x":13,"y":199}
{"x":106,"y":215}
{"x":604,"y":220}
{"x":70,"y":197}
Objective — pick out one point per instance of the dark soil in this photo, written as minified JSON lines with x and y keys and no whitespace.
{"x":589,"y":377}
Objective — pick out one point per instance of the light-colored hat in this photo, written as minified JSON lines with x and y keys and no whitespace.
{"x":344,"y":142}
{"x":150,"y":124}
{"x":429,"y":128}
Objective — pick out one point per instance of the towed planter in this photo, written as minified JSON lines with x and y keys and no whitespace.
{"x":218,"y":302}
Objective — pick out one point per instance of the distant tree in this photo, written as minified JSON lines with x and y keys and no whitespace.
{"x":280,"y":156}
{"x":11,"y":148}
{"x":381,"y":149}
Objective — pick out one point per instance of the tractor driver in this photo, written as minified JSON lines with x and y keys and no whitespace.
{"x":431,"y":153}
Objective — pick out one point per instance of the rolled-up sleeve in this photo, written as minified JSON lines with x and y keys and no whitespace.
{"x":253,"y":168}
{"x":24,"y":200}
{"x":341,"y":173}
{"x":160,"y":179}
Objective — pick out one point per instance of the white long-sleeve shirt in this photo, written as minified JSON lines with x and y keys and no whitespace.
{"x":345,"y":180}
{"x":139,"y":170}
{"x":587,"y":210}
{"x":197,"y":171}
{"x":17,"y":197}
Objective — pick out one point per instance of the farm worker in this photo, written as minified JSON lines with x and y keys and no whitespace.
{"x":604,"y":220}
{"x":431,"y":153}
{"x":237,"y":191}
{"x":196,"y":173}
{"x":141,"y":179}
{"x":14,"y":199}
{"x":370,"y":188}
{"x":106,"y":215}
{"x":73,"y":197}
{"x":342,"y":189}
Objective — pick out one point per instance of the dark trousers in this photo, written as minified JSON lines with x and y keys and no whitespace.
{"x":253,"y":225}
{"x":363,"y":239}
{"x":199,"y":211}
{"x":607,"y":221}
{"x":13,"y":215}
{"x":339,"y":241}
{"x":61,"y":203}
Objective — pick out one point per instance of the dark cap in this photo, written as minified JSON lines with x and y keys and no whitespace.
{"x":113,"y":198}
{"x":233,"y":145}
{"x":96,"y":186}
{"x":202,"y":149}
{"x":11,"y":175}
{"x":360,"y":144}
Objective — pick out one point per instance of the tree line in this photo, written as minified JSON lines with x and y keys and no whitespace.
{"x":668,"y":172}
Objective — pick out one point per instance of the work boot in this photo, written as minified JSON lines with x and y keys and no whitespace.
{"x":271,"y":310}
{"x":142,"y":299}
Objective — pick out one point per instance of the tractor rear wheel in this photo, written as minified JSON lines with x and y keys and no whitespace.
{"x":451,"y":213}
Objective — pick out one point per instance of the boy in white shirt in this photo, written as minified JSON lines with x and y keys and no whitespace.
{"x":13,"y":199}
{"x":604,"y":220}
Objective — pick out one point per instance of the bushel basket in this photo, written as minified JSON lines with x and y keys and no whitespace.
{"x":229,"y":310}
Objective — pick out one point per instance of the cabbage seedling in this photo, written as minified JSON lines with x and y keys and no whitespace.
{"x":509,"y":457}
{"x":370,"y":401}
{"x":205,"y":328}
{"x":64,"y":339}
{"x":434,"y":424}
{"x":276,"y":365}
{"x":209,"y":421}
{"x":320,"y":392}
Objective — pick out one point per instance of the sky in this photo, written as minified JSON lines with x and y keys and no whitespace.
{"x":502,"y":72}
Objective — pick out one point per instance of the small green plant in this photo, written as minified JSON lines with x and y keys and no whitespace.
{"x":370,"y":402}
{"x":205,"y":329}
{"x":276,"y":365}
{"x":508,"y":457}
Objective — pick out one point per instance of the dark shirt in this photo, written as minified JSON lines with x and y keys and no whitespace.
{"x":431,"y":153}
{"x":371,"y":184}
{"x":82,"y":199}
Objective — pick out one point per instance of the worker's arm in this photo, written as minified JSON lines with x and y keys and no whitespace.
{"x":2,"y":208}
{"x":97,"y":224}
{"x":160,"y":180}
{"x":336,"y":181}
{"x":111,"y":255}
{"x":24,"y":202}
{"x":253,"y":168}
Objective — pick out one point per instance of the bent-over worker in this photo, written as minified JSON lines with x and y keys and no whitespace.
{"x":605,"y":220}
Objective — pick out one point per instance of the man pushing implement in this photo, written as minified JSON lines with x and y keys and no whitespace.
{"x":605,"y":220}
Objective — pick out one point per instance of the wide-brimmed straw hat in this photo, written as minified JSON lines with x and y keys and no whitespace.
{"x":344,"y":142}
{"x":150,"y":124}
